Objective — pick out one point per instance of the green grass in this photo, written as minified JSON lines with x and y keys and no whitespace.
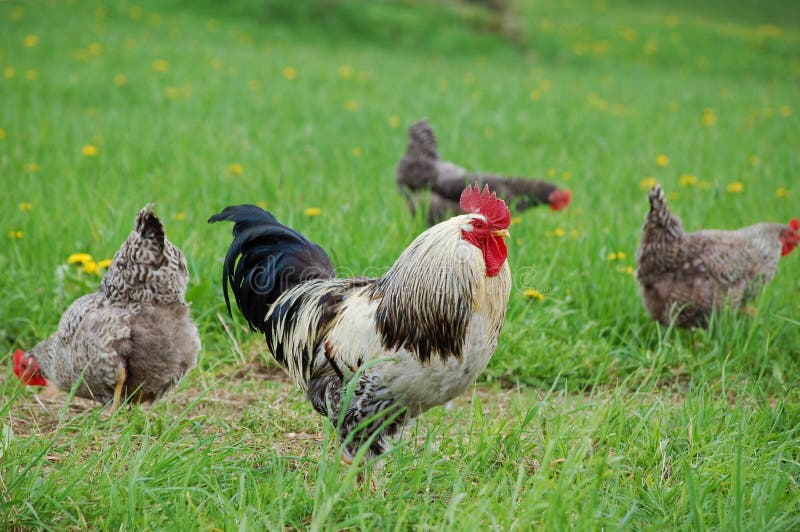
{"x":589,"y":416}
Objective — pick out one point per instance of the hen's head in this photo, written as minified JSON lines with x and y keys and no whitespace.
{"x":489,"y":219}
{"x":27,"y":369}
{"x":790,"y":237}
{"x":559,"y":199}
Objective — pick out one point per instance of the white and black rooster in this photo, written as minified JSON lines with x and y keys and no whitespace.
{"x":414,"y":338}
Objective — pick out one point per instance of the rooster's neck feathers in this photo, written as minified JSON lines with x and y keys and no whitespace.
{"x":427,"y":297}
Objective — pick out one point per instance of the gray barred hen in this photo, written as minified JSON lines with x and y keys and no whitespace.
{"x":685,"y":277}
{"x":421,"y":171}
{"x":131,"y":339}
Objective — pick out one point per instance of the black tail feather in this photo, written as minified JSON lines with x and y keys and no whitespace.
{"x":265,"y":259}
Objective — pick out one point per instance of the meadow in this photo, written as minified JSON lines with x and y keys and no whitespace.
{"x":589,"y":416}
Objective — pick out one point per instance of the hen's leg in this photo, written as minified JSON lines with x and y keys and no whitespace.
{"x":121,"y":376}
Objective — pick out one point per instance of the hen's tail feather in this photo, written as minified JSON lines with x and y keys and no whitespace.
{"x":660,"y":216}
{"x":265,"y":259}
{"x":149,"y":226}
{"x":422,"y":140}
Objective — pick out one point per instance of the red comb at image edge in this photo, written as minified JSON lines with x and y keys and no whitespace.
{"x":27,"y":370}
{"x":794,"y":223}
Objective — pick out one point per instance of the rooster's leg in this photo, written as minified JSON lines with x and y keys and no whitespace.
{"x":121,"y":376}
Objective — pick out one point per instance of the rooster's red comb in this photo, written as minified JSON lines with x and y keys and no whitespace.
{"x":794,"y":223}
{"x":486,"y":203}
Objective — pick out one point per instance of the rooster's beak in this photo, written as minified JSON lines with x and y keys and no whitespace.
{"x":503,"y":233}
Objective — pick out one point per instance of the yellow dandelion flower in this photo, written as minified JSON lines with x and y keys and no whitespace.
{"x":31,"y":74}
{"x":120,"y":80}
{"x":351,"y":106}
{"x":9,"y":72}
{"x":545,"y":85}
{"x":536,"y":95}
{"x":394,"y":122}
{"x":172,"y":92}
{"x":18,"y":13}
{"x":346,"y":71}
{"x":356,"y":152}
{"x":32,"y":168}
{"x":313,"y":211}
{"x":79,"y":258}
{"x":91,"y":267}
{"x":89,"y":150}
{"x":2,"y":133}
{"x":104,"y":264}
{"x":785,"y":111}
{"x":781,"y":192}
{"x":532,"y":293}
{"x":626,"y":270}
{"x":236,"y":169}
{"x":735,"y":187}
{"x":16,"y":234}
{"x":160,"y":65}
{"x":95,"y":49}
{"x":26,"y":206}
{"x":647,"y":182}
{"x":650,"y":47}
{"x":551,"y":172}
{"x":30,"y":41}
{"x":516,"y":220}
{"x":674,"y":196}
{"x":254,"y":85}
{"x":709,"y":118}
{"x":662,"y":160}
{"x":565,"y":176}
{"x":179,"y":216}
{"x":629,"y":34}
{"x":612,"y":256}
{"x":262,"y":204}
{"x":289,"y":73}
{"x":687,"y":180}
{"x":559,"y":232}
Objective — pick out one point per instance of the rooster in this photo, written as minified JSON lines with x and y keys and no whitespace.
{"x":131,"y":339}
{"x":685,"y":277}
{"x":406,"y":342}
{"x":422,"y":170}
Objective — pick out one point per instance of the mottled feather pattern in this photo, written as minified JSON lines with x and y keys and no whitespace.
{"x":147,"y":268}
{"x":137,"y":320}
{"x":685,"y":277}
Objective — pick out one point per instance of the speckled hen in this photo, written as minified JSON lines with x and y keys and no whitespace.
{"x":131,"y":339}
{"x":685,"y":277}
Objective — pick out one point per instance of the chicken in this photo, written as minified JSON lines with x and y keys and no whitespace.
{"x":421,"y":170}
{"x":685,"y":277}
{"x":406,"y":342}
{"x":131,"y":339}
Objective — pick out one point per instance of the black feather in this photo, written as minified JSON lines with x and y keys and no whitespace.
{"x":265,"y":259}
